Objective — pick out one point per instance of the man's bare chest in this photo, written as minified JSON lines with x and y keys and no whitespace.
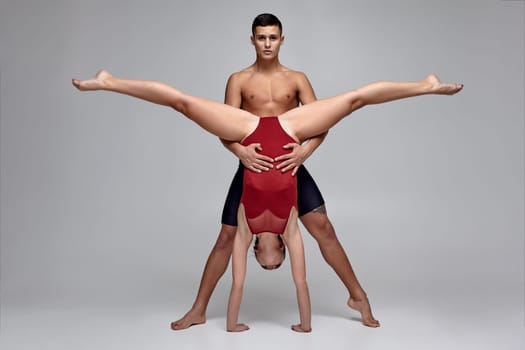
{"x":268,"y":91}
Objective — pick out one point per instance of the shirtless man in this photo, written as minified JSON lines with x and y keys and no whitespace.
{"x":267,"y":88}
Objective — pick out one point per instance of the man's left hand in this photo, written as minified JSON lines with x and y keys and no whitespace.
{"x":292,"y":160}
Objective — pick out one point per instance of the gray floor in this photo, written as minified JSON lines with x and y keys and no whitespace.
{"x":430,"y":322}
{"x":46,"y":327}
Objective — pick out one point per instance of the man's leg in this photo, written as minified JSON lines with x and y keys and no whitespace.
{"x":320,"y":227}
{"x":313,"y":215}
{"x":219,"y":258}
{"x":216,"y":265}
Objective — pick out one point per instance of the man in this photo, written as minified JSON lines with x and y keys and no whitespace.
{"x":267,"y":88}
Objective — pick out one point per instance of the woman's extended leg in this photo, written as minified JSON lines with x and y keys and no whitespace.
{"x":317,"y":117}
{"x":219,"y":119}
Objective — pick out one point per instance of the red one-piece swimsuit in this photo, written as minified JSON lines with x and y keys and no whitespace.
{"x":269,"y":196}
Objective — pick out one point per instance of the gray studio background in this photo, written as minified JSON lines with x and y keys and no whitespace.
{"x":110,"y":202}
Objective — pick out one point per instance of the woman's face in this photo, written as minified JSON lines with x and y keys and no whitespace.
{"x":269,"y":250}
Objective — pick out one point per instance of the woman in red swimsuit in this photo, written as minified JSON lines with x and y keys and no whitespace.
{"x":268,"y":207}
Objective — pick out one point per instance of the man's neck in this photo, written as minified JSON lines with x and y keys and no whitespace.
{"x":267,"y":66}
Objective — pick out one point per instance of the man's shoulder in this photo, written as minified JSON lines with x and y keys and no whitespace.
{"x":294,"y":74}
{"x":240,"y":77}
{"x":301,"y":84}
{"x":243,"y":73}
{"x":244,"y":77}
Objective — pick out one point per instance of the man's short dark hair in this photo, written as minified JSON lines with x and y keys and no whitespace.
{"x":266,"y":19}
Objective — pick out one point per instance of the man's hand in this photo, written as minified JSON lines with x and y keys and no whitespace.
{"x":292,"y":160}
{"x":253,"y":160}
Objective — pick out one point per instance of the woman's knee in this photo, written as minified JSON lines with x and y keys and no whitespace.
{"x":356,"y":99}
{"x":180,"y":102}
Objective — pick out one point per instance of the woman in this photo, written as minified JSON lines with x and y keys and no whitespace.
{"x":268,"y":206}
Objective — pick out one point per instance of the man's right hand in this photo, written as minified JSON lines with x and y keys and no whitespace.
{"x":253,"y":160}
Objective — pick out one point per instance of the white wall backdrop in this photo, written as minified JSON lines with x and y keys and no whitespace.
{"x":108,"y":200}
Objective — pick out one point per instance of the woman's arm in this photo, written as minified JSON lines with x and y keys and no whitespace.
{"x":294,"y":242}
{"x":241,"y":244}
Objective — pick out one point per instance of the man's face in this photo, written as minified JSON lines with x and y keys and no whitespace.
{"x":267,"y":41}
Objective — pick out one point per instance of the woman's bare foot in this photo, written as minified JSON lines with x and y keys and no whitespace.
{"x":300,"y":329}
{"x":363,"y":307}
{"x":96,"y":83}
{"x":240,"y":327}
{"x":437,"y":87}
{"x":190,"y":319}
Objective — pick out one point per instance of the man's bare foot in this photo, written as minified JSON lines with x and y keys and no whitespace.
{"x":188,"y":320}
{"x":240,"y":327}
{"x":363,"y":307}
{"x":96,"y":83}
{"x":300,"y":329}
{"x":437,"y":87}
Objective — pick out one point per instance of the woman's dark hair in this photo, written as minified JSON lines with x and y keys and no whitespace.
{"x":266,"y":19}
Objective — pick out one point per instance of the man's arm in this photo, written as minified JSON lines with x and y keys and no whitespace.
{"x":248,"y":155}
{"x":300,"y":153}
